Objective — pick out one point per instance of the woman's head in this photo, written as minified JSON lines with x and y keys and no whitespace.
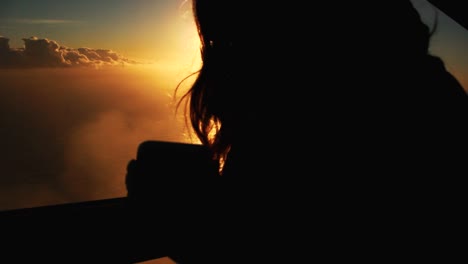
{"x":250,"y":51}
{"x":226,"y":51}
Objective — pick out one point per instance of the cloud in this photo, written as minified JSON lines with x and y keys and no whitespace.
{"x":68,"y":134}
{"x":38,"y":53}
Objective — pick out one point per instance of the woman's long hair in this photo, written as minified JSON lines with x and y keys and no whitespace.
{"x":209,"y":98}
{"x":212,"y":98}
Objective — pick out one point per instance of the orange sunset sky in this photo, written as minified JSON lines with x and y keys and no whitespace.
{"x":99,"y":79}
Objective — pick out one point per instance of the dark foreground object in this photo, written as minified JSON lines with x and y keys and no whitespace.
{"x":129,"y":229}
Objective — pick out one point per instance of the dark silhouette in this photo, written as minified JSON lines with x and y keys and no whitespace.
{"x":329,"y":134}
{"x":338,"y":134}
{"x":364,"y":73}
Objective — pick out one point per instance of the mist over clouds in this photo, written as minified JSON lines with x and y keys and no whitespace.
{"x":68,"y":134}
{"x":49,"y":53}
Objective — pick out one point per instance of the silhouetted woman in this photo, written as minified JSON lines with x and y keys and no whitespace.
{"x":330,"y":118}
{"x":275,"y":76}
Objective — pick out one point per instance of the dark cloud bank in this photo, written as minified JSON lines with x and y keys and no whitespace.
{"x":67,"y":134}
{"x":48,"y":53}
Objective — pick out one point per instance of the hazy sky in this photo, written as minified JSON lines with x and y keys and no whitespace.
{"x":161,"y":30}
{"x":68,"y":132}
{"x":145,"y":29}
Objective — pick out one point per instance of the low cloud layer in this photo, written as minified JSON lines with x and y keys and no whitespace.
{"x":68,"y":134}
{"x":48,"y":53}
